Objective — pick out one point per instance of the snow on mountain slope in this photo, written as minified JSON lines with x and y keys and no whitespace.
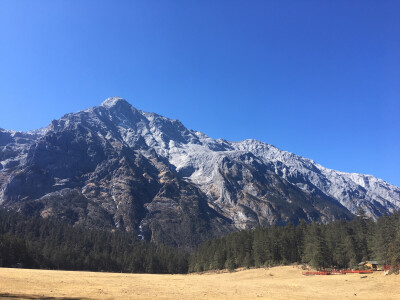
{"x":197,"y":156}
{"x":350,"y":189}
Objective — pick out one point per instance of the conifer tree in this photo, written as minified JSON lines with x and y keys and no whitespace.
{"x":394,"y":249}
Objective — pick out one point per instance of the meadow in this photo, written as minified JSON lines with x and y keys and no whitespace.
{"x":273,"y":283}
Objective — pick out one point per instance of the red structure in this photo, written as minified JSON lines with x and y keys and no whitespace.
{"x":343,"y":272}
{"x":388,"y":267}
{"x":337,"y":272}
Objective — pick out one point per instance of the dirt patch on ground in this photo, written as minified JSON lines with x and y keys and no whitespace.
{"x":273,"y":283}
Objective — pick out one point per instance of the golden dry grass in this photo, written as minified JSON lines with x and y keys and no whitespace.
{"x":274,"y":283}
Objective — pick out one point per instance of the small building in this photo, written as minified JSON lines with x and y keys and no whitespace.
{"x":372,"y":264}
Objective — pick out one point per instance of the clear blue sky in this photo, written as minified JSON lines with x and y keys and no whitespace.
{"x":317,"y":78}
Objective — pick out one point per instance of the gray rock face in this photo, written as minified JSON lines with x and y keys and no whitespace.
{"x":114,"y":166}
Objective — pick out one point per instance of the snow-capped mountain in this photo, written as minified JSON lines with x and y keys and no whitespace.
{"x":116,"y":166}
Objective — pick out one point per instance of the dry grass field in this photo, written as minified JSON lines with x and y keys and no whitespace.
{"x":274,"y":283}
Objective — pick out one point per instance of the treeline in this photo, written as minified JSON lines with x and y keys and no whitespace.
{"x":33,"y":242}
{"x":341,"y":244}
{"x":49,"y":244}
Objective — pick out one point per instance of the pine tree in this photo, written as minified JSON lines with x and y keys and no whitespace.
{"x":316,"y":251}
{"x":385,"y":234}
{"x":394,"y":249}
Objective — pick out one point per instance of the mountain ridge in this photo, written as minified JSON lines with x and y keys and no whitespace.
{"x":142,"y":172}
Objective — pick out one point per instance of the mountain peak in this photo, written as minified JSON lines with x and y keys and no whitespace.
{"x":113,"y":101}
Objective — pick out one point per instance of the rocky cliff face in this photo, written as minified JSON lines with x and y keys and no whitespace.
{"x":114,"y":166}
